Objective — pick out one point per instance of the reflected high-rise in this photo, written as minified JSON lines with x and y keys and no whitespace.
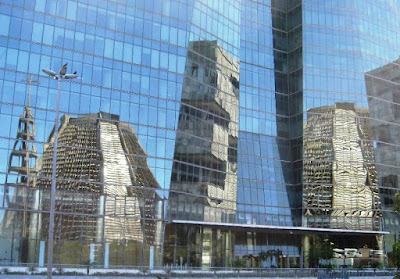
{"x":201,"y":133}
{"x":382,"y":85}
{"x":205,"y":166}
{"x":339,"y":173}
{"x":204,"y":173}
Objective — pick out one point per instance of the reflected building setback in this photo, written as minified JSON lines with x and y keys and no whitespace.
{"x":339,"y":173}
{"x":204,"y":175}
{"x":105,"y":188}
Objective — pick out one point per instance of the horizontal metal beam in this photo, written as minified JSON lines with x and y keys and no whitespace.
{"x":284,"y":228}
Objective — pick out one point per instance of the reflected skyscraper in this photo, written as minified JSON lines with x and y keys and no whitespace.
{"x":340,"y":177}
{"x":383,"y":90}
{"x":204,"y":175}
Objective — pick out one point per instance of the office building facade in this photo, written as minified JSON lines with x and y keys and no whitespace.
{"x":229,"y":133}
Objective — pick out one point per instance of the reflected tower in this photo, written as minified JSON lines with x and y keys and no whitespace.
{"x":22,"y":161}
{"x":340,"y":177}
{"x":21,"y":175}
{"x":204,"y":173}
{"x":204,"y":178}
{"x":383,"y":91}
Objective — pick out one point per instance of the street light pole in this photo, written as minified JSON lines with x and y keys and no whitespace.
{"x":59,"y":77}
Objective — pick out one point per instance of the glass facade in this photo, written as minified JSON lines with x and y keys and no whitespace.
{"x":200,"y":133}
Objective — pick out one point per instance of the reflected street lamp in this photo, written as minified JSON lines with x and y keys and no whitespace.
{"x":62,"y":74}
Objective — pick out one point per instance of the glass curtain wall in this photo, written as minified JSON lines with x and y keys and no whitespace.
{"x":200,"y":133}
{"x":350,"y":70}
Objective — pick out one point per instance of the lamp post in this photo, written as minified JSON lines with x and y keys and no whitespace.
{"x":62,"y":74}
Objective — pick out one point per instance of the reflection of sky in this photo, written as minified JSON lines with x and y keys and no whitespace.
{"x":349,"y":42}
{"x":219,"y":20}
{"x":260,"y":177}
{"x":257,"y":78}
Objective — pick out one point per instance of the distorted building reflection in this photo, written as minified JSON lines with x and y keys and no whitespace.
{"x":383,"y":90}
{"x":105,"y":188}
{"x":19,"y":193}
{"x":204,"y":178}
{"x":204,"y":174}
{"x":339,"y":174}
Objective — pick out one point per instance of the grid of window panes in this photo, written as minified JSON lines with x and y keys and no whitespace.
{"x":149,"y":70}
{"x":256,"y":113}
{"x":266,"y":188}
{"x":350,"y":115}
